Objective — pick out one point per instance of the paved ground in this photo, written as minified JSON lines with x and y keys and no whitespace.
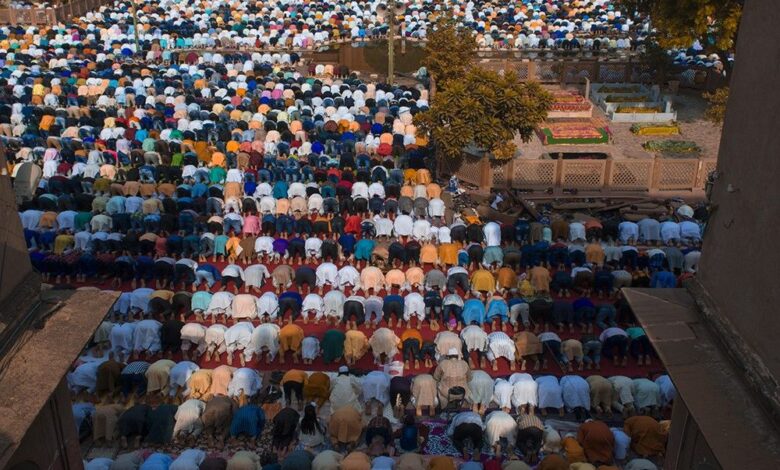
{"x":690,"y":108}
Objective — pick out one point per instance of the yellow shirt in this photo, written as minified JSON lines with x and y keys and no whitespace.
{"x":162,"y":294}
{"x":429,"y":253}
{"x":294,"y":375}
{"x":232,"y":146}
{"x":62,"y":242}
{"x":483,"y":280}
{"x":448,"y":253}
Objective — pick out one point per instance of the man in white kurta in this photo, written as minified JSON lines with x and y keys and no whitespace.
{"x":265,"y":338}
{"x":215,"y":340}
{"x":345,"y":390}
{"x":121,"y":338}
{"x":246,"y":381}
{"x":221,"y":304}
{"x":146,"y":337}
{"x":502,"y":394}
{"x":327,"y":275}
{"x":549,"y":393}
{"x":348,"y":276}
{"x":475,"y":339}
{"x":500,"y":345}
{"x":414,"y":306}
{"x":492,"y":232}
{"x":481,"y":386}
{"x":499,"y":426}
{"x":268,"y":306}
{"x":237,"y":338}
{"x":524,"y":391}
{"x":312,"y":303}
{"x":623,"y":398}
{"x":310,"y":349}
{"x":403,"y":225}
{"x":193,"y":337}
{"x":334,"y":304}
{"x":376,"y":386}
{"x":188,"y":422}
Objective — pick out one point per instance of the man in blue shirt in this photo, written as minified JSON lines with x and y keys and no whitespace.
{"x":207,"y":273}
{"x":663,"y":279}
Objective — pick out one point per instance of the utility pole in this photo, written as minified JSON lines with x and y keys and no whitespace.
{"x":391,"y":43}
{"x":135,"y":25}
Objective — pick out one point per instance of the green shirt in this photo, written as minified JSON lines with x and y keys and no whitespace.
{"x":217,"y":175}
{"x":81,"y":220}
{"x":635,"y":332}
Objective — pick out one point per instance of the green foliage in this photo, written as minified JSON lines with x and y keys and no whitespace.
{"x":671,"y":146}
{"x":680,"y":22}
{"x":449,"y":52}
{"x":717,"y":110}
{"x":657,"y":59}
{"x":486,"y":109}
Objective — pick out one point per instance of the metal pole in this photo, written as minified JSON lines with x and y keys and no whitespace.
{"x":135,"y":26}
{"x":391,"y":44}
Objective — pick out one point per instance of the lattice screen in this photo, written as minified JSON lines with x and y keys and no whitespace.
{"x":677,"y":174}
{"x":612,"y":73}
{"x":631,"y":174}
{"x":583,"y":174}
{"x":642,"y":73}
{"x":501,"y":176}
{"x":547,"y":72}
{"x":522,"y":70}
{"x":688,"y":77}
{"x":576,"y":73}
{"x":470,"y":171}
{"x":533,"y":173}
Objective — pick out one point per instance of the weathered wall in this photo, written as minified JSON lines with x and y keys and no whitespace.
{"x":740,"y":265}
{"x":14,"y":259}
{"x":51,"y":442}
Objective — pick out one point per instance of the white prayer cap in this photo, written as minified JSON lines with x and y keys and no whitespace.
{"x":685,"y":211}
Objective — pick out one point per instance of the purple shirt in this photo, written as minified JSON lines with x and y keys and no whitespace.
{"x":280,"y":245}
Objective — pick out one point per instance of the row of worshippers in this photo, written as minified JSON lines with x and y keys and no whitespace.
{"x":210,"y":403}
{"x":636,"y":446}
{"x":465,"y":330}
{"x":453,"y":379}
{"x":170,"y":24}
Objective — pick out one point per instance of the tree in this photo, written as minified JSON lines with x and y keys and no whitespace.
{"x":485,"y":109}
{"x":681,"y":22}
{"x":717,"y":110}
{"x":449,"y":52}
{"x":658,"y":60}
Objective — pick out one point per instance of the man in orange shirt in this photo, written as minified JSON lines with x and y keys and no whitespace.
{"x":411,"y":341}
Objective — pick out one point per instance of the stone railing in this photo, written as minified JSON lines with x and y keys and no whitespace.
{"x":27,"y":16}
{"x":628,"y":175}
{"x":48,"y":16}
{"x":77,"y":8}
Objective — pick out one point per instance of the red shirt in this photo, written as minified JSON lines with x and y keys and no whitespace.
{"x":352,"y":224}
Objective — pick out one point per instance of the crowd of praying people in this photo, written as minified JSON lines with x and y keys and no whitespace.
{"x":254,"y":217}
{"x":230,"y":247}
{"x":274,"y":24}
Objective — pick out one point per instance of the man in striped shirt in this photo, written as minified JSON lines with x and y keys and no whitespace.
{"x":133,"y":376}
